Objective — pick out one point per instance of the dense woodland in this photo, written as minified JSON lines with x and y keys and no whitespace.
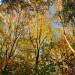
{"x":37,"y":37}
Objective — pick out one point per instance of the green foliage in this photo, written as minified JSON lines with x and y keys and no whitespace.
{"x":68,"y":11}
{"x":8,"y":1}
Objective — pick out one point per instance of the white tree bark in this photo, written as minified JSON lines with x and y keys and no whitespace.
{"x":69,"y":44}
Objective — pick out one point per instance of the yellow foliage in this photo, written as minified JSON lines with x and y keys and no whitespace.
{"x":39,"y":26}
{"x":60,"y":5}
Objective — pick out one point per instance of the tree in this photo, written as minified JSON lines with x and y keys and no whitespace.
{"x":29,"y":44}
{"x":18,"y":37}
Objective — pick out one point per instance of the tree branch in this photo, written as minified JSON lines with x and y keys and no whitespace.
{"x":69,"y":44}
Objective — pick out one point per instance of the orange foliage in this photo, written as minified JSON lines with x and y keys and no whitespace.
{"x":59,"y":5}
{"x":15,"y":17}
{"x":62,"y":41}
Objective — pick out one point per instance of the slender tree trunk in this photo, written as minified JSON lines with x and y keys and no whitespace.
{"x":69,"y":44}
{"x":37,"y":57}
{"x":68,"y":41}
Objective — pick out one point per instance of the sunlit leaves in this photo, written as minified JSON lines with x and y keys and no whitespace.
{"x":60,"y":5}
{"x":26,"y":32}
{"x":40,"y":25}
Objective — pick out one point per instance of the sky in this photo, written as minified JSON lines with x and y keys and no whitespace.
{"x":0,"y":2}
{"x":52,"y":14}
